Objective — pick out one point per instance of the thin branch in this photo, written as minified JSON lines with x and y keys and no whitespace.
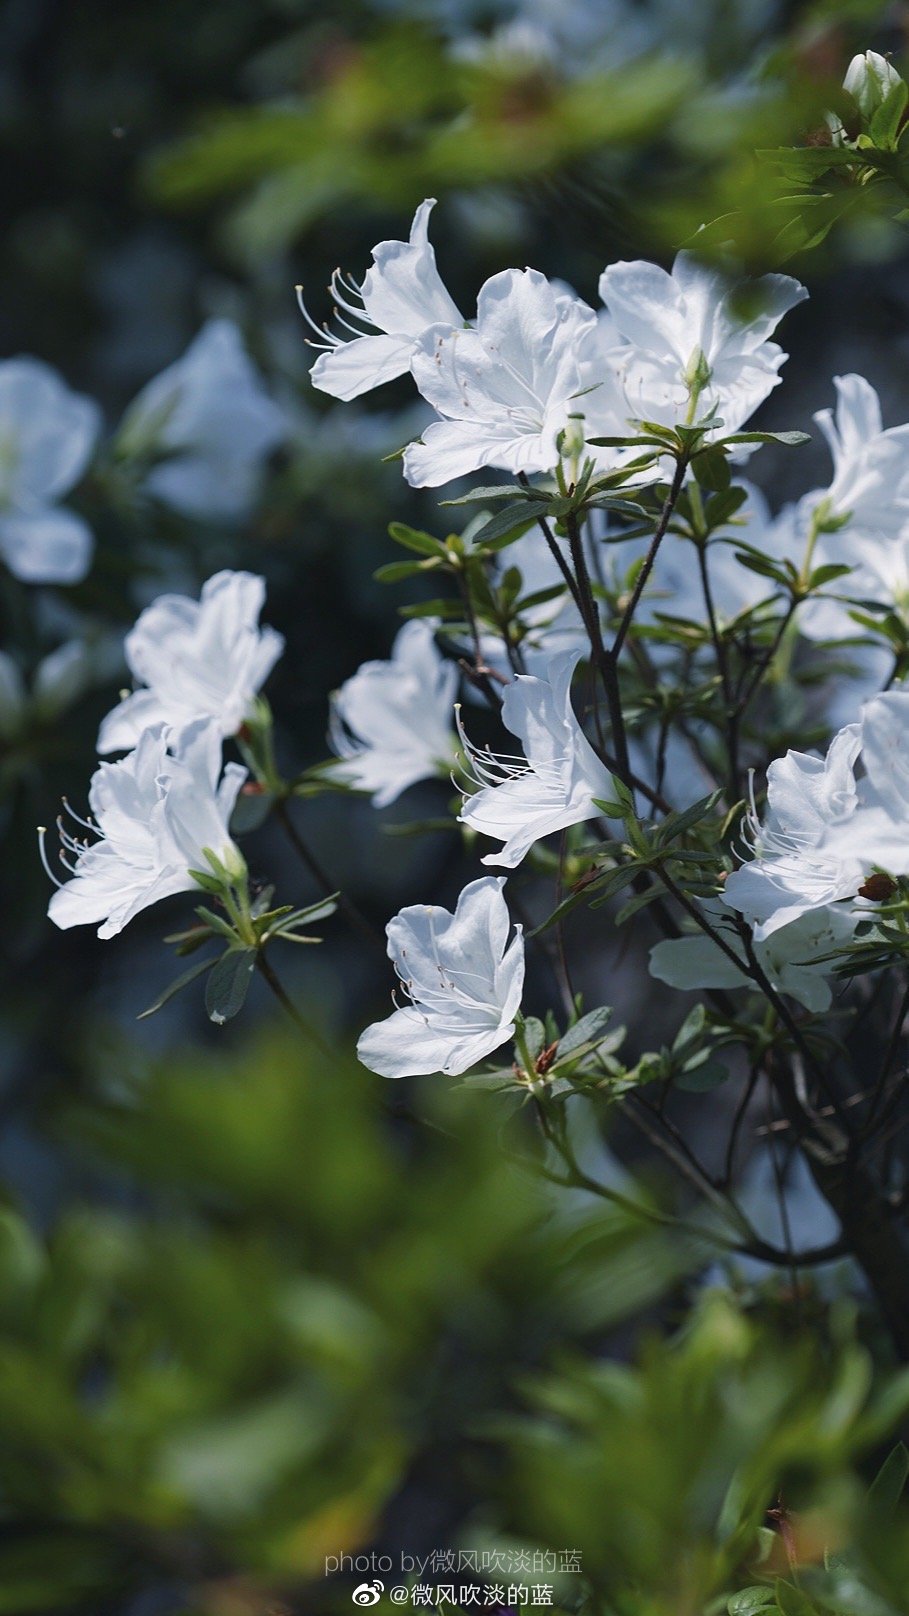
{"x":309,"y":1032}
{"x":317,"y":870}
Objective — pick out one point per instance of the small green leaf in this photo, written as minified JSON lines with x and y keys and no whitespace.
{"x":228,"y":985}
{"x":790,"y":1601}
{"x":510,"y":523}
{"x":790,"y":440}
{"x":395,"y":572}
{"x":885,"y":124}
{"x":497,"y":491}
{"x":888,"y":1486}
{"x":701,"y":1077}
{"x":748,"y":1601}
{"x":585,"y":1032}
{"x":413,"y":538}
{"x":711,"y":468}
{"x":180,"y":982}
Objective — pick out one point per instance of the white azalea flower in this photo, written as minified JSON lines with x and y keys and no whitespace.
{"x":391,"y":723}
{"x":153,"y":815}
{"x":791,"y":959}
{"x":210,"y":415}
{"x":809,"y":850}
{"x":401,"y":296}
{"x":554,"y":785}
{"x":826,"y":831}
{"x":47,"y":435}
{"x":863,"y":517}
{"x":463,"y":978}
{"x":504,"y":390}
{"x":882,"y":831}
{"x":204,"y":658}
{"x":695,"y":342}
{"x":870,"y":487}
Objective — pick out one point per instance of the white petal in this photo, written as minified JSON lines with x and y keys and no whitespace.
{"x":50,"y":546}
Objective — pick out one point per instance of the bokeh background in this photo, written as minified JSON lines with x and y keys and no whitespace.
{"x":251,"y":1313}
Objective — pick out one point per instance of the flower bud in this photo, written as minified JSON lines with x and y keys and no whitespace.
{"x":869,"y":80}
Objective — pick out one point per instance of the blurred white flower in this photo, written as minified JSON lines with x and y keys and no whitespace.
{"x":520,"y":799}
{"x":693,"y":341}
{"x":211,"y":418}
{"x":505,"y":389}
{"x":401,"y":296}
{"x":57,"y":682}
{"x":153,"y":815}
{"x":464,"y":980}
{"x":391,"y":722}
{"x":198,"y":659}
{"x":791,"y":959}
{"x":47,"y":434}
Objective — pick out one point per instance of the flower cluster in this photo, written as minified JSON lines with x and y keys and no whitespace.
{"x":620,"y":424}
{"x":159,"y":818}
{"x":507,"y":385}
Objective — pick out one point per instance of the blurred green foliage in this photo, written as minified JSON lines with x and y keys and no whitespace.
{"x":309,"y":1301}
{"x":296,"y":1335}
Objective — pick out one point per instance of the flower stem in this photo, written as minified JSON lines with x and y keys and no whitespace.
{"x":266,"y":971}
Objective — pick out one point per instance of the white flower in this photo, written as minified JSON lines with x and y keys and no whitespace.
{"x":863,"y":517}
{"x":792,"y":959}
{"x":198,"y":659}
{"x":506,"y":389}
{"x":694,"y":342}
{"x":401,"y":296}
{"x":826,"y":831}
{"x":391,"y":723}
{"x":153,"y":813}
{"x":463,"y":978}
{"x":882,"y":829}
{"x":870,"y":487}
{"x":869,"y":80}
{"x":47,"y":435}
{"x":809,"y":848}
{"x":553,"y":785}
{"x":210,"y":415}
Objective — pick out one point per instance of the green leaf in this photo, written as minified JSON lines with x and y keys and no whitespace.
{"x":788,"y":439}
{"x":585,"y":1032}
{"x":885,"y":124}
{"x":711,"y":468}
{"x":497,"y":491}
{"x":701,"y":1077}
{"x":827,"y":574}
{"x":413,"y":538}
{"x":228,"y":985}
{"x":889,"y":1484}
{"x":750,"y":1600}
{"x":180,"y":982}
{"x":791,"y":1601}
{"x":449,"y":609}
{"x":394,"y":572}
{"x":511,"y":522}
{"x":534,"y":1035}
